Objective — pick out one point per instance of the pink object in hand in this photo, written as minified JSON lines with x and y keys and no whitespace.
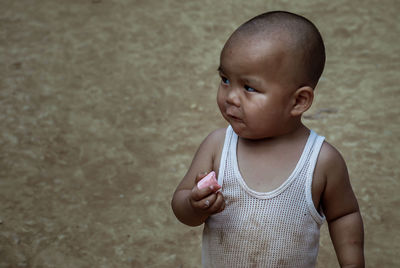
{"x":209,"y":180}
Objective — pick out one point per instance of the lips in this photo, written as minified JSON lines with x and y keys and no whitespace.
{"x":233,"y":116}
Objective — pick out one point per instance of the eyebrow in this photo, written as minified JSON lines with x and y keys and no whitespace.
{"x":252,"y":81}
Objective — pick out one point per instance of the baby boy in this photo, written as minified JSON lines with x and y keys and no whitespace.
{"x":280,"y":180}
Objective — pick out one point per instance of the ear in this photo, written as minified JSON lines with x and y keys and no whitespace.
{"x":301,"y":101}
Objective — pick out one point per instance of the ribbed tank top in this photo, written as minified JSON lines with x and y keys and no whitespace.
{"x":264,"y":229}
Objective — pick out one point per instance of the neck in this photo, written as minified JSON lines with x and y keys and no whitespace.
{"x":297,"y":131}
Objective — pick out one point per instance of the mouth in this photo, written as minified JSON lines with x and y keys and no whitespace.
{"x":233,"y":117}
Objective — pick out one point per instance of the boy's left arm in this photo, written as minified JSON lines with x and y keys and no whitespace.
{"x":341,"y":210}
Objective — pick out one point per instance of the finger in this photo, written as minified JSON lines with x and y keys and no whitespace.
{"x":209,"y":201}
{"x":218,"y":205}
{"x":205,"y":203}
{"x":222,"y":207}
{"x":199,"y":194}
{"x":200,"y":176}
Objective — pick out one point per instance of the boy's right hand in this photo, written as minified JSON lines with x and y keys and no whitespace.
{"x":206,"y":201}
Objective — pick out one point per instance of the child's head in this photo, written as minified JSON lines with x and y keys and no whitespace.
{"x":269,"y":68}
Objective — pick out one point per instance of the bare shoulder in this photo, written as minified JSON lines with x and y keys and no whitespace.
{"x":214,"y":141}
{"x":331,"y":162}
{"x":217,"y":136}
{"x":218,"y":139}
{"x":330,"y":167}
{"x":206,"y":158}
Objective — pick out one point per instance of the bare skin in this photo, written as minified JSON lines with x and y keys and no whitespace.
{"x":266,"y":114}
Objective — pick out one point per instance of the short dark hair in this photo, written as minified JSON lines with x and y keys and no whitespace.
{"x":304,"y":34}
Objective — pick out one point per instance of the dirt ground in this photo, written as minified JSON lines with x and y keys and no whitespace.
{"x":103,"y":104}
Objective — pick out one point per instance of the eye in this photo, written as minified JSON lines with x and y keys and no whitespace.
{"x":249,"y":89}
{"x":225,"y":80}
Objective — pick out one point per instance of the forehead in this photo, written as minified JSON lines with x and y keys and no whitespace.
{"x":256,"y":53}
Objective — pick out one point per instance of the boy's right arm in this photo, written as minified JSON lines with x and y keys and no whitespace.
{"x":191,"y":205}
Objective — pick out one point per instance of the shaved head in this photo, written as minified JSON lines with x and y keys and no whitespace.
{"x":307,"y":50}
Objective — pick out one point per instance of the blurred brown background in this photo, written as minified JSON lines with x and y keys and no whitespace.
{"x":103,"y":104}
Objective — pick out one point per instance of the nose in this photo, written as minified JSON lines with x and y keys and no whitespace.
{"x":233,"y":98}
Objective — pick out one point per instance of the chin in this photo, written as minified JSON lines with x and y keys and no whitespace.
{"x":247,"y":134}
{"x":253,"y":137}
{"x":243,"y":132}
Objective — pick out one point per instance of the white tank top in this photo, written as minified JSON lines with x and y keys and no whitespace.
{"x":274,"y":229}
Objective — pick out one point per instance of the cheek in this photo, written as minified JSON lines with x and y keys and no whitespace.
{"x":220,"y":100}
{"x":261,"y":107}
